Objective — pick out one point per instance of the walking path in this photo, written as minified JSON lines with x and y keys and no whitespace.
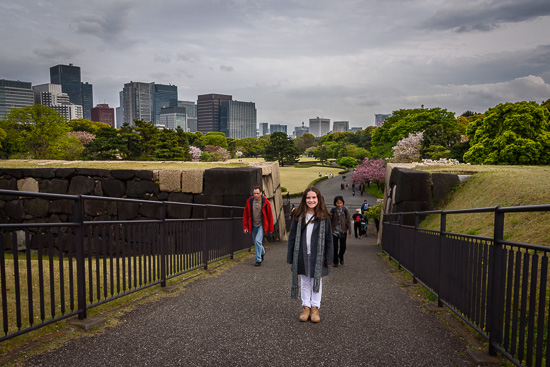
{"x":245,"y":317}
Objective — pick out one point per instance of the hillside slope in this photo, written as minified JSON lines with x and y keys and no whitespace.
{"x":499,"y":186}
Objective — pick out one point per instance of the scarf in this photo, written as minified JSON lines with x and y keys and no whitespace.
{"x":318,"y":260}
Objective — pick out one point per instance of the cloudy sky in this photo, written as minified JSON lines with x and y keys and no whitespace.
{"x":296,"y":59}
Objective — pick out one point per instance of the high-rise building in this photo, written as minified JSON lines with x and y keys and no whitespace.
{"x":264,"y":128}
{"x":340,"y":126}
{"x":380,"y":118}
{"x":319,"y":126}
{"x":104,"y":113}
{"x":68,"y":76}
{"x":208,"y":111}
{"x":191,"y":114}
{"x":299,"y":131}
{"x":137,"y":102}
{"x":14,"y":94}
{"x":277,"y":128}
{"x":51,"y":95}
{"x":163,"y":96}
{"x":173,"y":117}
{"x":238,"y":119}
{"x":87,"y":100}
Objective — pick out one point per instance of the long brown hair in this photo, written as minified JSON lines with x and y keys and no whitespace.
{"x":321,"y":211}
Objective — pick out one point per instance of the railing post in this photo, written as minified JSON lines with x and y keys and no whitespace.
{"x":495,"y":307}
{"x":232,"y":234}
{"x":163,"y":245}
{"x":205,"y":237}
{"x":416,"y":222}
{"x":398,"y":241}
{"x":80,"y":271}
{"x":442,"y":236}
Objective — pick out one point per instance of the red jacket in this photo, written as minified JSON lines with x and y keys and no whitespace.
{"x":267,"y":215}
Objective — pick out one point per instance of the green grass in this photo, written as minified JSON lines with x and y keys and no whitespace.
{"x":145,"y":165}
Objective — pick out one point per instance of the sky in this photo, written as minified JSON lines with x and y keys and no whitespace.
{"x":345,"y":60}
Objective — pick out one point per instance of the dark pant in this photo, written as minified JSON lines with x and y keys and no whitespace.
{"x":339,"y":255}
{"x":357,"y":228}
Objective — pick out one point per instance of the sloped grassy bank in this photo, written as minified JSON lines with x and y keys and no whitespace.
{"x":498,"y":186}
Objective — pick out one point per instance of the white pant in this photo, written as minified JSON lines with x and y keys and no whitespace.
{"x":310,"y":298}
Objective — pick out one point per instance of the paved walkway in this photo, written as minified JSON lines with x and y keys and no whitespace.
{"x":245,"y":317}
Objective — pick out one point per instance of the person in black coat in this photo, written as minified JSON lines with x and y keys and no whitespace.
{"x":310,"y":251}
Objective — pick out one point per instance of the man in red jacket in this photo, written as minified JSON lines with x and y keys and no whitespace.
{"x":257,"y":220}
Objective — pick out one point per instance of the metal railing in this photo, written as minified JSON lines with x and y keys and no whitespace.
{"x":499,"y":287}
{"x":52,"y":271}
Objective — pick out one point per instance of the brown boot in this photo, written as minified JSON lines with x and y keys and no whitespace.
{"x":304,"y":316}
{"x":315,"y":314}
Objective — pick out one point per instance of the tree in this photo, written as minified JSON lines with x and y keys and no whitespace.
{"x":348,"y":162}
{"x":510,"y":133}
{"x":281,"y":148}
{"x":34,"y":131}
{"x":168,"y":147}
{"x":305,"y":141}
{"x":408,"y":149}
{"x":215,"y":138}
{"x":404,"y":122}
{"x":107,"y":145}
{"x":322,"y":154}
{"x":195,"y":153}
{"x":370,"y":170}
{"x":87,"y":125}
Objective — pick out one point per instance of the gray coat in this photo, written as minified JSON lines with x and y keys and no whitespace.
{"x":329,"y":249}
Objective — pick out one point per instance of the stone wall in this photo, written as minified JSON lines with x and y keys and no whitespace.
{"x":410,"y":190}
{"x":219,"y":186}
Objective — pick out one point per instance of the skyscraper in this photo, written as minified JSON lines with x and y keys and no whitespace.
{"x":173,"y":117}
{"x":137,"y":102}
{"x":264,"y":128}
{"x":68,"y":76}
{"x":273,"y":128}
{"x":238,"y":119}
{"x":319,"y":126}
{"x":104,"y":113}
{"x":14,"y":94}
{"x":340,"y":126}
{"x":208,"y":111}
{"x":163,"y":96}
{"x":51,"y":95}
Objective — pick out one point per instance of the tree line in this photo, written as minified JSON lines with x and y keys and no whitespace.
{"x":509,"y":133}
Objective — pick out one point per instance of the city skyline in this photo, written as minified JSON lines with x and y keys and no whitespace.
{"x":345,"y":61}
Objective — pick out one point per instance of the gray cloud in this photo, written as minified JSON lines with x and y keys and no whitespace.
{"x":56,"y":49}
{"x":467,"y":16}
{"x":226,"y":68}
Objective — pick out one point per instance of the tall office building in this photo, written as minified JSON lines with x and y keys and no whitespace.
{"x":87,"y":100}
{"x":380,"y":118}
{"x":173,"y":117}
{"x":191,"y":114}
{"x":340,"y":126}
{"x":68,"y":76}
{"x":51,"y":95}
{"x":137,"y":102}
{"x":319,"y":126}
{"x":273,"y":128}
{"x":299,"y":131}
{"x":104,"y":113}
{"x":264,"y":128}
{"x":163,"y":96}
{"x":208,"y":111}
{"x":14,"y":94}
{"x":238,"y":119}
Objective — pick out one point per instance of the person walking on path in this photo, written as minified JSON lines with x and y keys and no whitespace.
{"x":357,"y":223}
{"x":341,"y":226}
{"x":310,"y":251}
{"x":258,"y":220}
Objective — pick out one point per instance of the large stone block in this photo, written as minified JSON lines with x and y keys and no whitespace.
{"x":411,"y":185}
{"x":443,"y":184}
{"x":39,"y":172}
{"x":113,"y":188}
{"x":231,"y":181}
{"x":198,"y":211}
{"x":36,"y":207}
{"x":54,"y":186}
{"x":411,"y":206}
{"x":94,"y":208}
{"x":170,"y":180}
{"x":127,"y":210}
{"x":192,"y":181}
{"x":12,"y":172}
{"x":137,"y":189}
{"x":149,"y":211}
{"x":144,"y":174}
{"x":123,"y":174}
{"x":174,"y":211}
{"x":65,"y":172}
{"x":28,"y":184}
{"x":7,"y":183}
{"x":81,"y":185}
{"x":61,"y":206}
{"x":14,"y":210}
{"x":94,"y":172}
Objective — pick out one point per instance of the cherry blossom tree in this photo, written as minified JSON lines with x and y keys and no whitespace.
{"x":370,"y":170}
{"x":408,"y":149}
{"x":195,"y":153}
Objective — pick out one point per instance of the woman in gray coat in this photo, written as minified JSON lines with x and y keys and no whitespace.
{"x":310,"y":251}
